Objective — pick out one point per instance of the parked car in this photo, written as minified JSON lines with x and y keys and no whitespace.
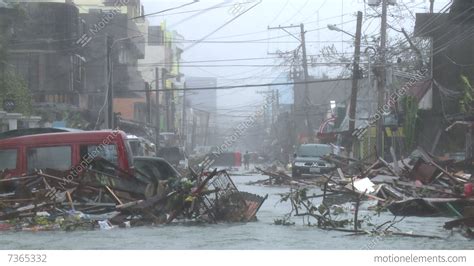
{"x":141,"y":146}
{"x":154,"y":169}
{"x":176,"y":156}
{"x":308,"y":160}
{"x":64,"y":151}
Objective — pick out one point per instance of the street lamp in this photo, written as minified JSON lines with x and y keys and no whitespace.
{"x":333,"y":27}
{"x":355,"y":77}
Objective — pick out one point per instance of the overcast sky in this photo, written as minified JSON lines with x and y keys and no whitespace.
{"x":248,"y":37}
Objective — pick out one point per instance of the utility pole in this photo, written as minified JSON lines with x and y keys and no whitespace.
{"x":148,"y":103}
{"x":432,"y":6}
{"x":355,"y":81}
{"x":157,"y":111}
{"x":265,"y":111}
{"x":278,"y":102}
{"x":206,"y":134}
{"x":193,"y":134}
{"x":184,"y":122}
{"x":172,"y":102}
{"x":307,"y":100}
{"x":382,"y":79}
{"x":306,"y":85}
{"x":110,"y":90}
{"x":163,"y":87}
{"x":273,"y":108}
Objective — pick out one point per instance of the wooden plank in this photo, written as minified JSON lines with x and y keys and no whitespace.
{"x":341,"y":174}
{"x":114,"y":196}
{"x":69,"y":198}
{"x":17,"y":179}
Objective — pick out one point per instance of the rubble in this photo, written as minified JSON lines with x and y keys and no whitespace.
{"x":423,"y":180}
{"x":422,"y":185}
{"x":53,"y":200}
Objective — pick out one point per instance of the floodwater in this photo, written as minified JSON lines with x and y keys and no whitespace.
{"x":261,"y":235}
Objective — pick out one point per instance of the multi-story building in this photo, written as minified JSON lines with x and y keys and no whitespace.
{"x":62,"y":49}
{"x":43,"y":52}
{"x":160,"y":68}
{"x":112,"y":34}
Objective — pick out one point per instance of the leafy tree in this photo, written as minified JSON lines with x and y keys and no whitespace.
{"x":410,"y":108}
{"x":467,"y":100}
{"x":12,"y":87}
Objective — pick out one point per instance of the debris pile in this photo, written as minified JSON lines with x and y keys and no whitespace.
{"x":336,"y":218}
{"x":54,"y":200}
{"x":422,"y":185}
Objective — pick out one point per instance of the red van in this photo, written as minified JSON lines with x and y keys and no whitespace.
{"x":63,"y":151}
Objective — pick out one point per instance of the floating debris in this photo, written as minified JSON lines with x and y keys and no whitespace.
{"x":52,"y":200}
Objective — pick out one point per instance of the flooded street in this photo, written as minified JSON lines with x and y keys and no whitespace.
{"x":261,"y":235}
{"x":236,"y":132}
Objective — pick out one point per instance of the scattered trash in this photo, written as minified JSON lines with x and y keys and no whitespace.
{"x":55,"y":200}
{"x":105,"y":225}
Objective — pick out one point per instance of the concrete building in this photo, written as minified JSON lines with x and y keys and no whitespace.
{"x":43,"y":52}
{"x":110,"y":23}
{"x":160,"y":68}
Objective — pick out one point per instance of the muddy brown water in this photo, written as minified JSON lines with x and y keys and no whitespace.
{"x":261,"y":235}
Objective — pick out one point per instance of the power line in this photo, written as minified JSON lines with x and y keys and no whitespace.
{"x":166,"y":10}
{"x":241,"y":86}
{"x":214,"y":88}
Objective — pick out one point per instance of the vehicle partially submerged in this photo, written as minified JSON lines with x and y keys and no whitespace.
{"x":95,"y":173}
{"x":24,"y":154}
{"x":141,"y":146}
{"x":220,"y":200}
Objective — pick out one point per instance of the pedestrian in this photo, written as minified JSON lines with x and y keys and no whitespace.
{"x":247,"y":160}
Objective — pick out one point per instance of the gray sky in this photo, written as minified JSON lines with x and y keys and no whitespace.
{"x":248,"y":37}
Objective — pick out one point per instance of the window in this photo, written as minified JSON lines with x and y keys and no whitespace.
{"x":156,"y":170}
{"x":108,"y":152}
{"x":8,"y":159}
{"x":137,"y":148}
{"x":58,"y":158}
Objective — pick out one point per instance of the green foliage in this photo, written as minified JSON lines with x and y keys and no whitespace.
{"x":465,"y":103}
{"x":76,"y":120}
{"x":73,"y":119}
{"x":410,"y":107}
{"x":14,"y":88}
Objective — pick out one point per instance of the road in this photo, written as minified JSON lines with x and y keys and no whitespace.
{"x":261,"y":235}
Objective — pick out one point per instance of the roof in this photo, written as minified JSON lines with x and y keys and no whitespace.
{"x":419,"y":89}
{"x":316,"y":145}
{"x":34,"y":131}
{"x":65,"y":137}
